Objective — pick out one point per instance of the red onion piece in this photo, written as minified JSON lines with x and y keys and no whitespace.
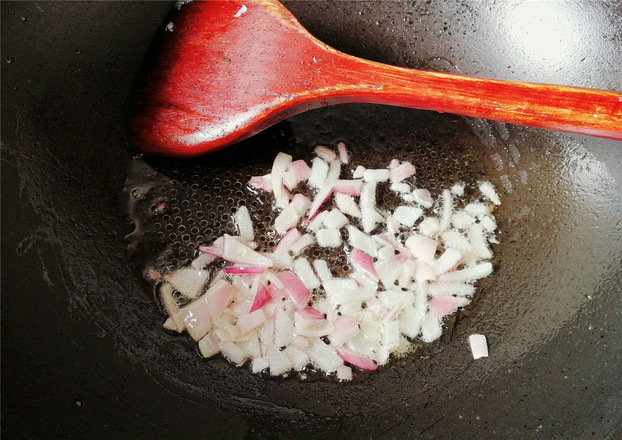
{"x":296,"y":289}
{"x":356,"y":360}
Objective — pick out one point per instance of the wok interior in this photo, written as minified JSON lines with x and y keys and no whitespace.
{"x":557,"y":271}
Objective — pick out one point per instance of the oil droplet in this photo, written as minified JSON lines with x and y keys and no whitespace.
{"x":78,"y":51}
{"x":23,"y":18}
{"x":9,"y":60}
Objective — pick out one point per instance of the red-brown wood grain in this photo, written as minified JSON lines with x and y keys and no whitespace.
{"x":230,"y":69}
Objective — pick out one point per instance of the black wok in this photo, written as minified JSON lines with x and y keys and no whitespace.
{"x":83,"y":352}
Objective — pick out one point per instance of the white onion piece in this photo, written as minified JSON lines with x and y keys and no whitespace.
{"x":200,"y":314}
{"x":315,"y":224}
{"x":319,"y":171}
{"x":324,"y":356}
{"x":445,"y":305}
{"x":300,"y":244}
{"x":363,"y":261}
{"x":401,"y":172}
{"x":343,"y":153}
{"x":347,"y":205}
{"x":407,"y":215}
{"x":262,"y":183}
{"x":300,"y":169}
{"x":188,"y":281}
{"x":447,"y":210}
{"x":202,"y":260}
{"x":301,"y":203}
{"x":410,"y":321}
{"x":279,"y":362}
{"x":322,"y":270}
{"x":430,"y":328}
{"x":368,"y":195}
{"x":310,"y":323}
{"x":345,"y":328}
{"x":238,"y":253}
{"x":478,"y":241}
{"x":422,"y":247}
{"x":328,"y":238}
{"x":208,"y":346}
{"x":287,"y":219}
{"x":304,"y":271}
{"x":298,"y":358}
{"x":488,"y":190}
{"x":344,"y":373}
{"x":376,"y":175}
{"x":479,"y":346}
{"x":423,"y":197}
{"x":289,"y":180}
{"x":335,"y":219}
{"x":469,"y":274}
{"x":359,"y":240}
{"x":325,"y":153}
{"x":462,"y":219}
{"x":358,"y":172}
{"x":349,"y":187}
{"x":259,"y":364}
{"x":232,"y":352}
{"x":448,"y":261}
{"x":248,"y":322}
{"x":326,"y":188}
{"x":488,"y":224}
{"x":456,"y":240}
{"x":477,"y":209}
{"x":459,"y":289}
{"x":286,"y":242}
{"x":458,"y":189}
{"x":281,"y":162}
{"x":429,"y":226}
{"x":394,"y":164}
{"x":391,"y":335}
{"x":401,"y":187}
{"x":370,"y":218}
{"x":283,"y":328}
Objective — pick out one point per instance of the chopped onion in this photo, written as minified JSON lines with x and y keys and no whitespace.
{"x":347,"y":205}
{"x":296,"y":289}
{"x":259,"y":306}
{"x":319,"y":171}
{"x":325,"y":153}
{"x":364,"y":261}
{"x":401,"y":172}
{"x":328,"y":237}
{"x":300,"y":244}
{"x":188,"y":281}
{"x":479,"y":346}
{"x":301,"y":170}
{"x":343,"y":153}
{"x":358,"y":172}
{"x":375,"y":175}
{"x":326,"y":188}
{"x":423,"y":197}
{"x":262,"y":183}
{"x":304,"y":271}
{"x":279,"y":166}
{"x":261,"y":297}
{"x":238,"y":253}
{"x":356,"y":360}
{"x":488,"y":190}
{"x":407,"y":215}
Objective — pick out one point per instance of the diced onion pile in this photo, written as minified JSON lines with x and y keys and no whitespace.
{"x":412,"y":266}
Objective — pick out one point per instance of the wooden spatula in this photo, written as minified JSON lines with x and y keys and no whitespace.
{"x":229,"y":69}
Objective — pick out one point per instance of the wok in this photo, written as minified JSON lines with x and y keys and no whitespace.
{"x":83,"y":352}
